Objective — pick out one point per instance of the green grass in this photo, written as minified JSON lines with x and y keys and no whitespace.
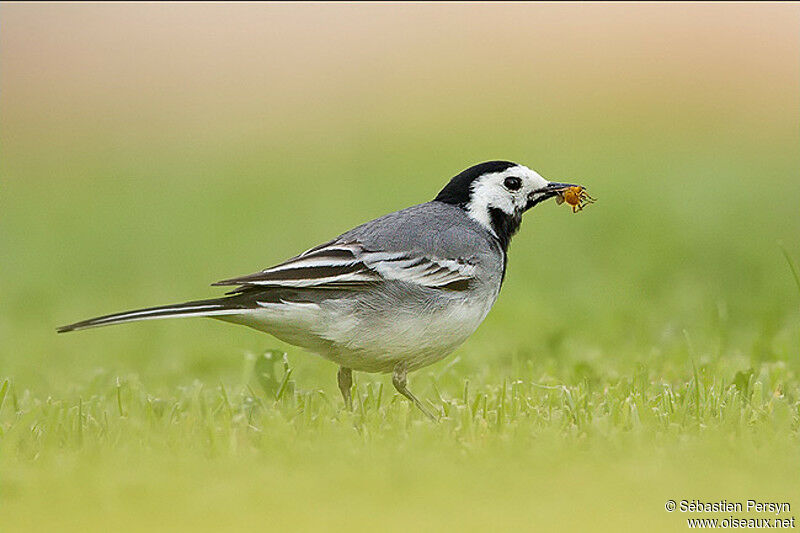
{"x":260,"y":452}
{"x":643,"y":350}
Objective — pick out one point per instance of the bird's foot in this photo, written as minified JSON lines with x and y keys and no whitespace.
{"x":345,"y":379}
{"x":399,"y":380}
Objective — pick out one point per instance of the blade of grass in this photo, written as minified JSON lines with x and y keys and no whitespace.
{"x":3,"y":392}
{"x":792,"y":266}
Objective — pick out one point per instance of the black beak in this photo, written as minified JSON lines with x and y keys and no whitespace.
{"x":549,"y":191}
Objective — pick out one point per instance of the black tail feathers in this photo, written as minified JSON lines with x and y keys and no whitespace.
{"x":213,"y":307}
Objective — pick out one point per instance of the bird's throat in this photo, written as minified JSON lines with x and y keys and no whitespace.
{"x":504,"y":225}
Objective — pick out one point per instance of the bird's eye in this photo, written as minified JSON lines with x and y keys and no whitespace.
{"x":513,"y":184}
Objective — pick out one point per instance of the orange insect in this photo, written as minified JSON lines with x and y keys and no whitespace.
{"x":576,"y":196}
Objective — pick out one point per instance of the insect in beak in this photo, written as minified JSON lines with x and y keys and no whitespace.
{"x":576,"y":196}
{"x":548,"y":191}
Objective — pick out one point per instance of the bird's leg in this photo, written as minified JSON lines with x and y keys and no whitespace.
{"x":345,"y":379}
{"x":399,"y":380}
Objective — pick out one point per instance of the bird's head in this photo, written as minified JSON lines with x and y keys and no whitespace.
{"x":497,"y":193}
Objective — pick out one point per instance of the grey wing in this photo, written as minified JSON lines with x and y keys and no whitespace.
{"x":348,"y":264}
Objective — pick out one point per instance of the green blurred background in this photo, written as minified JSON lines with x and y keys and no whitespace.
{"x":150,"y":149}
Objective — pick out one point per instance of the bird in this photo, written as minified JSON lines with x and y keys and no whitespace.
{"x":392,"y":295}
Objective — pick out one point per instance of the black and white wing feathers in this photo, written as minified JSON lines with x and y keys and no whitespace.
{"x":341,"y":265}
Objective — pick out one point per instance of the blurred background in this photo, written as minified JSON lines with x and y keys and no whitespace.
{"x":151,"y":149}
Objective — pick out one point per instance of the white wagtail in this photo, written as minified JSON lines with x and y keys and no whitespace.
{"x":392,"y":295}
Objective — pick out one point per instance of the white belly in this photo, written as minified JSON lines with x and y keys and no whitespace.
{"x":372,"y":341}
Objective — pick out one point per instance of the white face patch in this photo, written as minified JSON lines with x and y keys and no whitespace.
{"x":491,"y":191}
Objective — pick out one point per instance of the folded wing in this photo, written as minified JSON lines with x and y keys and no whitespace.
{"x":338,"y":264}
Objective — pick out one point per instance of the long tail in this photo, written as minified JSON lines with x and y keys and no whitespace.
{"x":213,"y":307}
